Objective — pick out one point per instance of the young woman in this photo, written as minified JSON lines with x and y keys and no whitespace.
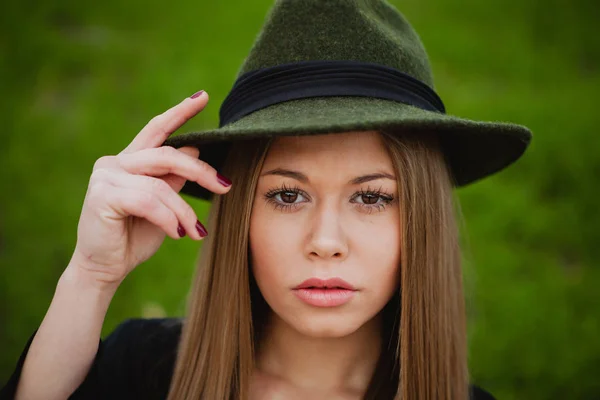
{"x":332,"y":266}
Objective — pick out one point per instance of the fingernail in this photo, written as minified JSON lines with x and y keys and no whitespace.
{"x":201,"y":229}
{"x":197,"y":94}
{"x":223,"y":181}
{"x":180,"y":230}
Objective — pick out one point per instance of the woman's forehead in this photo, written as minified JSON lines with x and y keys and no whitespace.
{"x":330,"y":159}
{"x":339,"y":146}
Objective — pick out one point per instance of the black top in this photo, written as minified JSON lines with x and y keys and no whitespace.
{"x":136,"y":361}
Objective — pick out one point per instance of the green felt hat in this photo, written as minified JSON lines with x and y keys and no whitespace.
{"x":327,"y":66}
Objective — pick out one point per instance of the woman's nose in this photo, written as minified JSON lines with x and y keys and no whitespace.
{"x":326,"y":236}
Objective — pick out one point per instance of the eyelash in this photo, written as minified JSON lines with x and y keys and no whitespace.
{"x":385,"y":197}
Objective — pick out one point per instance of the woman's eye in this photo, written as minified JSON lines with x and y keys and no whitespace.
{"x":369,"y":198}
{"x":372,"y":201}
{"x":287,"y":197}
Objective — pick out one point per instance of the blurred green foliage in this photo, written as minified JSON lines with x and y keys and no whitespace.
{"x":79,"y":79}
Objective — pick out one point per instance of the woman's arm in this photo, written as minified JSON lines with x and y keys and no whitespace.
{"x":66,"y":342}
{"x":131,"y":204}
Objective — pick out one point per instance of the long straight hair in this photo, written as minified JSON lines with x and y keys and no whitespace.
{"x":424,"y":353}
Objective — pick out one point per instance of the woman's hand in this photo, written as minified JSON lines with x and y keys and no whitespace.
{"x":132,"y":199}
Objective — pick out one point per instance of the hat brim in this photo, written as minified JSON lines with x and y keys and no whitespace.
{"x":473,"y":149}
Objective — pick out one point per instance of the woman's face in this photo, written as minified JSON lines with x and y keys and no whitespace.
{"x":325,"y":231}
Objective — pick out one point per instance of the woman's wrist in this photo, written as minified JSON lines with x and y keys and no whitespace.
{"x":74,"y":278}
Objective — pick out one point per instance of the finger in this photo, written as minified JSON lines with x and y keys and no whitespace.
{"x":162,"y":191}
{"x":105,"y":162}
{"x":168,"y":160}
{"x":163,"y":125}
{"x":145,"y":205}
{"x":191,"y":151}
{"x":175,"y":181}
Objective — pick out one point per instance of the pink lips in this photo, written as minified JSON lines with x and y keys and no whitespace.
{"x":325,"y":292}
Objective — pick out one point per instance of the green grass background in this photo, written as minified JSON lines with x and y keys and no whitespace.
{"x":79,"y":79}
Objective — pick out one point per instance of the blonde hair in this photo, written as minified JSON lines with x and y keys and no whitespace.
{"x":424,"y":354}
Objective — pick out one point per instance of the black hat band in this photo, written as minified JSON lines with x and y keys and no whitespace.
{"x":264,"y":87}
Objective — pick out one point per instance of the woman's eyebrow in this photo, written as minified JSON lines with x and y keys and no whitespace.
{"x":371,"y":177}
{"x":299,"y":176}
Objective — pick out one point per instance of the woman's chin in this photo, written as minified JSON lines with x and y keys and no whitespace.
{"x":325,"y":326}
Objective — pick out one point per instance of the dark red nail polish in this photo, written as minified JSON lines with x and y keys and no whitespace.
{"x":197,"y":94}
{"x":180,"y":230}
{"x":201,"y":229}
{"x":223,"y":181}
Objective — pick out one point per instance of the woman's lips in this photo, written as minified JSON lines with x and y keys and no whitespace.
{"x":324,"y":292}
{"x":325,"y":283}
{"x":324,"y":297}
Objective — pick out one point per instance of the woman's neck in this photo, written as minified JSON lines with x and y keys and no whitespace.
{"x":343,"y":364}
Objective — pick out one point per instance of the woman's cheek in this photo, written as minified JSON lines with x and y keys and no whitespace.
{"x":272,"y":247}
{"x":380,"y":250}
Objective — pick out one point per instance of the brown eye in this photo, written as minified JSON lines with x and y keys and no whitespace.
{"x":369,"y":199}
{"x":289,"y":197}
{"x":286,"y":198}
